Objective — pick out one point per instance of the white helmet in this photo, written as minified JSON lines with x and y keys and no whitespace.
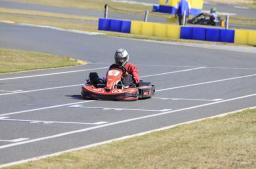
{"x":121,"y":57}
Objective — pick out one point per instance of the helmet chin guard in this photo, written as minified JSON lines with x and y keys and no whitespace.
{"x":121,"y":57}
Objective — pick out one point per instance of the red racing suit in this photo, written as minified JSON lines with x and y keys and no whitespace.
{"x":131,"y":69}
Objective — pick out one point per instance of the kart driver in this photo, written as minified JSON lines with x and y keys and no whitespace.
{"x":131,"y":77}
{"x":213,"y":16}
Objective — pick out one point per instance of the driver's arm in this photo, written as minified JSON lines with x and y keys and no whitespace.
{"x":132,"y":69}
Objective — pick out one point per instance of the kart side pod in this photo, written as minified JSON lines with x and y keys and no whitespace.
{"x":146,"y":91}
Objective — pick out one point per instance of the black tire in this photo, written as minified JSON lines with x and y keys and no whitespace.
{"x":153,"y":90}
{"x":84,"y":95}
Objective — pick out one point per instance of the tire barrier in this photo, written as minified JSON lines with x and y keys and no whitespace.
{"x":155,"y":29}
{"x":243,"y":36}
{"x":207,"y":34}
{"x":169,"y":31}
{"x":115,"y":25}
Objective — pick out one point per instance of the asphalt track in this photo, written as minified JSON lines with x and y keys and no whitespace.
{"x":113,"y":13}
{"x":223,"y":8}
{"x":41,"y":112}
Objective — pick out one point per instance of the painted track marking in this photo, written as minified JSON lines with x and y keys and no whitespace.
{"x":187,"y":99}
{"x":160,"y":90}
{"x":76,"y":85}
{"x":38,"y":90}
{"x":44,"y":108}
{"x":118,"y":139}
{"x":15,"y":140}
{"x":241,"y":7}
{"x":51,"y":74}
{"x":124,"y":121}
{"x":207,"y":82}
{"x":173,"y":72}
{"x":53,"y":122}
{"x":118,"y":108}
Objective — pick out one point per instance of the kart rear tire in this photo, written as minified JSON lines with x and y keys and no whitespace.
{"x":85,"y":95}
{"x":146,"y":92}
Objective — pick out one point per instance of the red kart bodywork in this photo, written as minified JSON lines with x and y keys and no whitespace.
{"x":111,"y":91}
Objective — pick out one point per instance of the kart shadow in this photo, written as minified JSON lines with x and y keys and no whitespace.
{"x":77,"y":97}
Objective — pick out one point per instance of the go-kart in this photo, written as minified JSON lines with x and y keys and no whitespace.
{"x":112,"y":88}
{"x":205,"y":19}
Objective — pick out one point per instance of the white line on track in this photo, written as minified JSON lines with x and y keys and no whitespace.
{"x":52,"y":122}
{"x":188,"y":99}
{"x":118,"y":108}
{"x":207,"y":82}
{"x":200,"y":46}
{"x":38,"y":90}
{"x":51,"y":74}
{"x":133,"y":2}
{"x":117,"y":139}
{"x":185,"y":66}
{"x":160,"y":90}
{"x":124,"y":121}
{"x":75,"y":85}
{"x":61,"y":29}
{"x":52,"y":27}
{"x":8,"y":91}
{"x":173,"y":72}
{"x":120,"y":138}
{"x":241,"y":7}
{"x":15,"y":140}
{"x":45,"y":108}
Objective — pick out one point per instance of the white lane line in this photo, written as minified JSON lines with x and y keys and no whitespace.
{"x":119,"y":139}
{"x":125,"y":121}
{"x":160,"y":90}
{"x":200,"y":46}
{"x":241,"y":7}
{"x":133,"y":2}
{"x":14,"y":140}
{"x":230,"y":68}
{"x":45,"y":108}
{"x":38,"y":90}
{"x":11,"y":91}
{"x":186,"y":66}
{"x":52,"y":122}
{"x":188,"y":99}
{"x":207,"y":82}
{"x":173,"y":72}
{"x":52,"y":27}
{"x":117,"y":108}
{"x":51,"y":74}
{"x":75,"y":85}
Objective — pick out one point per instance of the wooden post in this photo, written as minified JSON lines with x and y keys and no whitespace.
{"x":227,"y":22}
{"x":106,"y":11}
{"x":146,"y":16}
{"x":184,"y":19}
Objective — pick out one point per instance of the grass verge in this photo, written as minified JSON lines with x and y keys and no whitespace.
{"x":226,"y":142}
{"x":65,"y":21}
{"x":242,"y":21}
{"x":86,"y":4}
{"x":84,"y":23}
{"x":249,"y":3}
{"x":18,"y":60}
